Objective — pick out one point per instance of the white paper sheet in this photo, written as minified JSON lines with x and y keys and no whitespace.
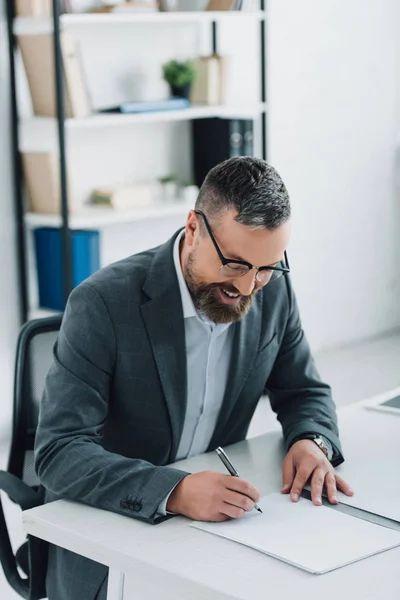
{"x":317,"y":539}
{"x":376,"y":485}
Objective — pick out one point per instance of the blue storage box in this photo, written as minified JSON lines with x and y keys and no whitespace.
{"x":48,"y":247}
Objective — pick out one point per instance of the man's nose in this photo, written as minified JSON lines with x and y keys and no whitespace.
{"x":246,"y":284}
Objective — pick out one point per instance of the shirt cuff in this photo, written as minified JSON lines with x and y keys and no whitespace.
{"x":162,"y":507}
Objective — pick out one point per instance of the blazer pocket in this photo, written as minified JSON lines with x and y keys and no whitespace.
{"x":267,"y":351}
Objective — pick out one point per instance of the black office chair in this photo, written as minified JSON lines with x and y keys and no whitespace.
{"x":19,"y":482}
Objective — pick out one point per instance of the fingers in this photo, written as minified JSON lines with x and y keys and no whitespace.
{"x":330,"y":484}
{"x":302,"y":476}
{"x":247,"y":489}
{"x":235,"y":505}
{"x":317,"y":485}
{"x":288,"y":473}
{"x":343,"y":486}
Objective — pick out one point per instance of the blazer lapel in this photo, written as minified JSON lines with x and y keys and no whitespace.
{"x":163,"y":318}
{"x":244,"y":349}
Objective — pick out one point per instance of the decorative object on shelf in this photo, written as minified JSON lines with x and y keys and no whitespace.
{"x":143,"y":107}
{"x":215,"y":140}
{"x":189,"y":192}
{"x":42,"y":177}
{"x":124,"y":197}
{"x":49,"y":264}
{"x":33,"y":8}
{"x":179,"y":76}
{"x":169,"y":188}
{"x":183,"y":5}
{"x":210,"y":83}
{"x":38,"y":58}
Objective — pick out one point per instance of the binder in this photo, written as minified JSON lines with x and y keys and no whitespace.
{"x":214,"y":140}
{"x":248,"y":137}
{"x":48,"y":249}
{"x":38,"y":58}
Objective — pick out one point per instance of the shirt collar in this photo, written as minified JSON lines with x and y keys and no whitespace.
{"x":189,"y":309}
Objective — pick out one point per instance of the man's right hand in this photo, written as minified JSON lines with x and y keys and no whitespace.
{"x":211,"y":496}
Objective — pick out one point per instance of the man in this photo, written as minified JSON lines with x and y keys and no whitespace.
{"x":165,"y":355}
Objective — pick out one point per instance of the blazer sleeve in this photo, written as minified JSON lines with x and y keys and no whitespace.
{"x":302,"y":402}
{"x":69,"y":457}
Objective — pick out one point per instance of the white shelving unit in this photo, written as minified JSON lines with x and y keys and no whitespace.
{"x":27,"y":25}
{"x":99,"y":218}
{"x":107,"y":148}
{"x":117,"y":119}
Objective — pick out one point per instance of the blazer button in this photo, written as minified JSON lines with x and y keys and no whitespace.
{"x":137,"y":506}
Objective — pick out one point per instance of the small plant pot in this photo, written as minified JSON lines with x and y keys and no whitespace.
{"x":181,"y":92}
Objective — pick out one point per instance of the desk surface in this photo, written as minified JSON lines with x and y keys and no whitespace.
{"x":178,"y":561}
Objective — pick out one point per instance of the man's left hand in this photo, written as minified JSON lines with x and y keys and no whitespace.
{"x":304,"y":461}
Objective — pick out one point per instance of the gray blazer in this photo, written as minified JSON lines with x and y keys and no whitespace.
{"x":114,"y":403}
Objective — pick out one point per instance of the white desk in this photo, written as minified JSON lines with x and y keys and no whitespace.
{"x":174,"y":561}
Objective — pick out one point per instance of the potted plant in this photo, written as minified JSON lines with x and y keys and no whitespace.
{"x":179,"y":76}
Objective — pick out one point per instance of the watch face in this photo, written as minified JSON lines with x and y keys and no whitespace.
{"x":321,"y":445}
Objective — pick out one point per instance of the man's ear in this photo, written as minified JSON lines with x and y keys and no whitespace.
{"x":191,"y":229}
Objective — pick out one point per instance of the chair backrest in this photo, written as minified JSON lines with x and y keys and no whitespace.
{"x":33,"y":359}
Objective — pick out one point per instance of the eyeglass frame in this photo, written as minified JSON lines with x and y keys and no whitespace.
{"x":225,"y":261}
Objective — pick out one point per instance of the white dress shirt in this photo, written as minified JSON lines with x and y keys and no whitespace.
{"x":208,"y":354}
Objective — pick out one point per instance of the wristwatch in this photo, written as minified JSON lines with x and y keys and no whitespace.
{"x":323,"y":444}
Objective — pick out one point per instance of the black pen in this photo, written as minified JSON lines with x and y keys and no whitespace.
{"x":231,"y":469}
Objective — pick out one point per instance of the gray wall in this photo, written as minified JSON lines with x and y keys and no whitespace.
{"x":333,"y":122}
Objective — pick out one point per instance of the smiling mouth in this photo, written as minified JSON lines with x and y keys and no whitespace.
{"x":229,"y":297}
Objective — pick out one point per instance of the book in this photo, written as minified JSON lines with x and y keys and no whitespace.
{"x":33,"y":8}
{"x":152,"y":106}
{"x":42,"y":178}
{"x":38,"y":58}
{"x":210,"y":82}
{"x":221,"y":5}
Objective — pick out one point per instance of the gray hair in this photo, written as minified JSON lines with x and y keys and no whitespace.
{"x":249,"y":185}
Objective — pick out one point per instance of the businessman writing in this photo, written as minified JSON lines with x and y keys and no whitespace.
{"x":165,"y":355}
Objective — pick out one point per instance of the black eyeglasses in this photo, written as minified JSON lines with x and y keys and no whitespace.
{"x":238,"y":268}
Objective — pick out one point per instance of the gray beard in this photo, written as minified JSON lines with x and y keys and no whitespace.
{"x":206,"y":300}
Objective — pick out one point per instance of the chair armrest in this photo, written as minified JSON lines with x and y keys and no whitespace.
{"x":25,"y":497}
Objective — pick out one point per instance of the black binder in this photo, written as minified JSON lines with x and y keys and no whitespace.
{"x":215,"y":140}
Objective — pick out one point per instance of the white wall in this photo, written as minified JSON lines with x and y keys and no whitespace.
{"x":333,"y":123}
{"x":9,"y":323}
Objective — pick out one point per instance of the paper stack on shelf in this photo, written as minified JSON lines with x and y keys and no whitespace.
{"x":124,"y":197}
{"x":38,"y":58}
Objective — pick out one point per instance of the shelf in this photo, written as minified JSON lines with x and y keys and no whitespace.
{"x":31,"y":25}
{"x":98,"y":218}
{"x":187,"y":114}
